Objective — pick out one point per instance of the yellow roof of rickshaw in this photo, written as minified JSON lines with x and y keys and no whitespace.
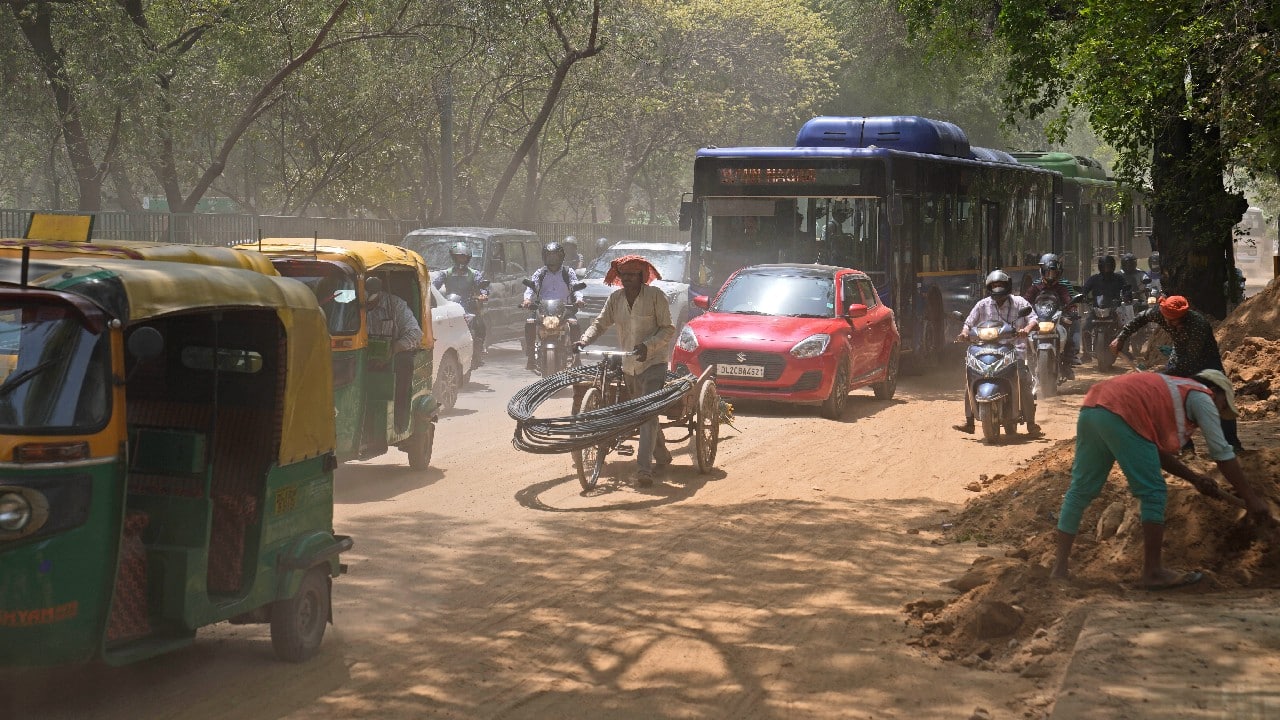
{"x":156,"y":289}
{"x":244,"y":257}
{"x":360,"y":254}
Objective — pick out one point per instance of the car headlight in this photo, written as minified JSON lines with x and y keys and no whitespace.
{"x":987,"y":334}
{"x":15,"y":512}
{"x":812,"y":346}
{"x":687,"y":341}
{"x":1047,"y":326}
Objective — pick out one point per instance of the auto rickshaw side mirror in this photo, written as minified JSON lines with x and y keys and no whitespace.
{"x":529,"y":284}
{"x":145,"y":343}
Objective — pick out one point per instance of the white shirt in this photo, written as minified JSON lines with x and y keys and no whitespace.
{"x":391,"y":318}
{"x":551,"y":284}
{"x":987,"y":309}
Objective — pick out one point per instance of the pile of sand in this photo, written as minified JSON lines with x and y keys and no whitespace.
{"x":1007,"y":615}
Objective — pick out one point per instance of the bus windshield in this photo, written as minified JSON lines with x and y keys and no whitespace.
{"x":54,"y":372}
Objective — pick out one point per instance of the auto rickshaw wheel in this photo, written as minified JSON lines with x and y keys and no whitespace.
{"x":420,"y":446}
{"x":707,"y":420}
{"x":298,"y":624}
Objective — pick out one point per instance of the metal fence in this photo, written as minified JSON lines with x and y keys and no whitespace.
{"x":230,"y":229}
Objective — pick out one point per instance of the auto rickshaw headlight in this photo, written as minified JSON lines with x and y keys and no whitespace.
{"x":15,"y":512}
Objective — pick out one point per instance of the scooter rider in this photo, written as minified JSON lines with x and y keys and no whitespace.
{"x":1051,"y":281}
{"x":467,"y":283}
{"x":1001,"y":304}
{"x":553,"y":281}
{"x":1106,"y":283}
{"x":1132,"y":275}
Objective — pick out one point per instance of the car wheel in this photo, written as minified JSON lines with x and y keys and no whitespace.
{"x":448,"y":381}
{"x":885,"y":389}
{"x":833,"y":407}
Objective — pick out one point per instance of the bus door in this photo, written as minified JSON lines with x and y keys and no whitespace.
{"x":989,"y":242}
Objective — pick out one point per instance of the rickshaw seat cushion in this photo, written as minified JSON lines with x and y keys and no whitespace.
{"x":130,"y":609}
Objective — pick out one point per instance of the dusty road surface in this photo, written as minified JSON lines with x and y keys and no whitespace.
{"x":491,"y":587}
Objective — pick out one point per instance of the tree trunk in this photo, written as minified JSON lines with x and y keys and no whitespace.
{"x":1193,"y":214}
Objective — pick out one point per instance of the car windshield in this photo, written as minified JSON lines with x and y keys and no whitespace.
{"x":435,"y":249}
{"x":334,"y":286}
{"x":670,"y":263}
{"x":769,"y":294}
{"x":54,"y":372}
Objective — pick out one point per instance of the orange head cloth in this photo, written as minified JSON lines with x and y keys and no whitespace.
{"x":630,"y":264}
{"x":1174,"y":307}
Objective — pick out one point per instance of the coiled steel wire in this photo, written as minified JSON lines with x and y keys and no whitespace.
{"x":547,"y":436}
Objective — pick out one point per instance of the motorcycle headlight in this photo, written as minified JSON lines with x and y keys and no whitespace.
{"x":551,"y":322}
{"x":1152,"y":301}
{"x":1046,"y":326}
{"x":15,"y":512}
{"x":987,"y":334}
{"x":687,"y":341}
{"x":812,"y":346}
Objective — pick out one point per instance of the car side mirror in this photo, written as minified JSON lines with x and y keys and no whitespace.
{"x":701,"y":301}
{"x":529,"y":284}
{"x":857,"y":310}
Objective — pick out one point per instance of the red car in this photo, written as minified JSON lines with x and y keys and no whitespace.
{"x":794,"y":333}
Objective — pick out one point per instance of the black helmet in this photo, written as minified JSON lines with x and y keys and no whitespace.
{"x":1107,"y":264}
{"x":1050,"y":267}
{"x":1153,"y":261}
{"x":461,"y":253}
{"x":1128,"y":262}
{"x":553,"y":254}
{"x":999,"y":283}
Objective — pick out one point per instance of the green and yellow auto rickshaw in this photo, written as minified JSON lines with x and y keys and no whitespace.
{"x":372,"y":412}
{"x":166,"y":459}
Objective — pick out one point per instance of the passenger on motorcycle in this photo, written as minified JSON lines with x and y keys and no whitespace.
{"x":467,"y":283}
{"x":1133,"y":276}
{"x":1051,"y":281}
{"x":1001,"y":304}
{"x":552,"y":282}
{"x":1106,"y":283}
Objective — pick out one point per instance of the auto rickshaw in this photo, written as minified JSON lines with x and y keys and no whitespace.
{"x":372,"y":413}
{"x":166,"y":459}
{"x":233,"y":257}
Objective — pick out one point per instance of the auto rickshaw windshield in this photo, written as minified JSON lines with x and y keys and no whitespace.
{"x":334,"y":286}
{"x":54,"y":371}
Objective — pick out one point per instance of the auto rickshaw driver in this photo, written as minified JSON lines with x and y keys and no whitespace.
{"x":391,"y":320}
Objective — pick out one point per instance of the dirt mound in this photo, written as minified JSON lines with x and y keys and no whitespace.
{"x":1010,"y":616}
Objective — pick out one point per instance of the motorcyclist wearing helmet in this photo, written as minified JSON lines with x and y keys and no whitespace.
{"x":602,"y":245}
{"x":1051,"y":281}
{"x":1107,"y":284}
{"x":572,"y":257}
{"x":553,"y":281}
{"x":470,"y":285}
{"x":1132,"y":275}
{"x":1001,"y":304}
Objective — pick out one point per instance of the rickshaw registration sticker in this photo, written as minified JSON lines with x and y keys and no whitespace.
{"x":286,"y":499}
{"x":756,"y":371}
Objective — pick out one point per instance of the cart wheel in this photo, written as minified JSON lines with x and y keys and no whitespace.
{"x":707,"y":430}
{"x":297,"y":624}
{"x":589,"y":461}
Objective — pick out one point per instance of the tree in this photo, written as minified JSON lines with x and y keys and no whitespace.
{"x":1182,"y":90}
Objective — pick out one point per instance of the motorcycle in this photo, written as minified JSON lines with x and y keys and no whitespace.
{"x":1103,"y":328}
{"x":996,"y":392}
{"x":551,"y":340}
{"x":1147,"y":301}
{"x":475,"y":320}
{"x":1047,"y":342}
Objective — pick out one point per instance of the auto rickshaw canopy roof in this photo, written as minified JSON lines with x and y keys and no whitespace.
{"x":360,"y":254}
{"x":244,"y":257}
{"x":159,"y":289}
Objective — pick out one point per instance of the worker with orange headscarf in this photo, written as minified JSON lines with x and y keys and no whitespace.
{"x":1194,"y":347}
{"x":644,"y":325}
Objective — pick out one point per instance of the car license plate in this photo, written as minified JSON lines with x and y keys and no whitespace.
{"x":755,"y":371}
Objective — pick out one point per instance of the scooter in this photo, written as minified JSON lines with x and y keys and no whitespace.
{"x":475,"y":320}
{"x":1047,"y":342}
{"x":996,"y":386}
{"x":1103,"y":328}
{"x":551,"y":340}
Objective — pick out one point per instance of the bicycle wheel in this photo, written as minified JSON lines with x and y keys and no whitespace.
{"x":589,"y":461}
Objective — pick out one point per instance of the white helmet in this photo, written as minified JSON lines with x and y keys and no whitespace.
{"x":1002,"y":282}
